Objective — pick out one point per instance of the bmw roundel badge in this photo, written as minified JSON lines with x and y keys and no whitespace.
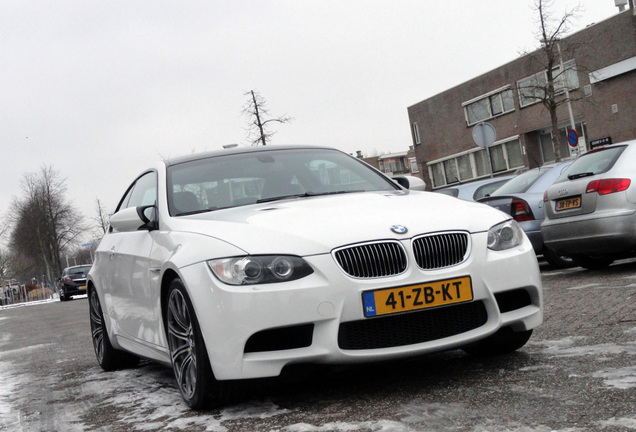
{"x":399,"y":229}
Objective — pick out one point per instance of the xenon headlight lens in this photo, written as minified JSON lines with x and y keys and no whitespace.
{"x":259,"y":269}
{"x":505,"y":235}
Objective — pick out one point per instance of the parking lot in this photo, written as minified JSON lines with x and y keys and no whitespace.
{"x":577,"y":373}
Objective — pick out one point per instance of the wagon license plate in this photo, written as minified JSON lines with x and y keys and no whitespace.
{"x":413,"y":297}
{"x":568,"y":203}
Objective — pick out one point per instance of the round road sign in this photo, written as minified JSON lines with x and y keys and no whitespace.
{"x":573,"y":138}
{"x":484,"y":134}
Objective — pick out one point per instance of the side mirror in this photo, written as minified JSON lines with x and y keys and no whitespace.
{"x":148,"y":214}
{"x":134,"y":219}
{"x":410,"y":182}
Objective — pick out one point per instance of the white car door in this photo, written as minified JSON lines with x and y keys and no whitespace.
{"x":133,"y":285}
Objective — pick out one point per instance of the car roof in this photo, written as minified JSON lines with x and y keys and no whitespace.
{"x":77,"y":266}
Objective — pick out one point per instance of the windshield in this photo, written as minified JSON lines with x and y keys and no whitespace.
{"x":78,"y":270}
{"x":247,"y":178}
{"x":521,"y":183}
{"x":592,"y":163}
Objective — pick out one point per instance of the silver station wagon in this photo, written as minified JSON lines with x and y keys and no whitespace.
{"x":590,"y":210}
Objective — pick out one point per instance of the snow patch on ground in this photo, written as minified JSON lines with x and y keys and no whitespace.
{"x":149,"y":400}
{"x":620,"y":378}
{"x":374,"y":426}
{"x":566,"y":347}
{"x":31,"y":303}
{"x":7,"y":385}
{"x":629,"y":423}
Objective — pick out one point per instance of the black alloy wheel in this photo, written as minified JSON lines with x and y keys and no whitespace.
{"x":592,"y":262}
{"x":188,"y":353}
{"x":555,"y":260}
{"x":504,"y":341}
{"x":108,"y":357}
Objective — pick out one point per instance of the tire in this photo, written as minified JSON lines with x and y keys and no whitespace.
{"x":591,"y":262}
{"x":188,"y":353}
{"x":108,"y":357}
{"x":503,"y":342}
{"x":556,"y":260}
{"x":62,"y":296}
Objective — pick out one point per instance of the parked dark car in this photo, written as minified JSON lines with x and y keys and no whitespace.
{"x":73,"y":281}
{"x":522,"y":198}
{"x":591,"y":208}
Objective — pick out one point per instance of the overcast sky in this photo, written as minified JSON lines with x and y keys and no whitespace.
{"x":100,"y":89}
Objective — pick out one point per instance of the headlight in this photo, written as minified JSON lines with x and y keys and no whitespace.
{"x":505,"y":235}
{"x":259,"y":269}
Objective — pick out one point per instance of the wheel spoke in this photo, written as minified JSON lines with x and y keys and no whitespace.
{"x":95,"y":309}
{"x":177,"y":311}
{"x":186,"y":375}
{"x":182,"y":343}
{"x":97,"y":328}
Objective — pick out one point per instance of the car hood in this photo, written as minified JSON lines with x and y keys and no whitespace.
{"x":309,"y":226}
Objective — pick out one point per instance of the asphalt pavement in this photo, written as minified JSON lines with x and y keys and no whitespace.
{"x":577,"y":373}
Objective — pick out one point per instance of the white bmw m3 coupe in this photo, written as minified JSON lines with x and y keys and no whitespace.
{"x":233,"y":264}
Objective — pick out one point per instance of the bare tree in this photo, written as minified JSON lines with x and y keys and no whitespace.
{"x":550,"y":85}
{"x":44,"y":223}
{"x":100,"y":218}
{"x":258,"y":114}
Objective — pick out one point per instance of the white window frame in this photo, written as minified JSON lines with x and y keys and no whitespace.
{"x":413,"y":164}
{"x":416,"y":133}
{"x":488,"y":98}
{"x":560,"y":81}
{"x":473,"y":163}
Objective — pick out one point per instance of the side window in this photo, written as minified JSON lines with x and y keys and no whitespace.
{"x":142,"y":193}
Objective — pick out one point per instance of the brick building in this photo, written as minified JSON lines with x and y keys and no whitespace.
{"x":392,"y":164}
{"x":598,"y":70}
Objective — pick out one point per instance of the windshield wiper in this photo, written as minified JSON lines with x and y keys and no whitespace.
{"x":304,"y":195}
{"x":580,"y":175}
{"x":332,"y":193}
{"x":282,"y":197}
{"x":193,"y":212}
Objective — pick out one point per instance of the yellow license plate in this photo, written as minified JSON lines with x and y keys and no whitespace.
{"x":83,"y":287}
{"x":413,"y":297}
{"x":568,"y":203}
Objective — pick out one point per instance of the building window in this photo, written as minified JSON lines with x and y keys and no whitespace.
{"x":413,"y":164}
{"x":487,"y":106}
{"x":416,"y":133}
{"x":569,"y":77}
{"x":393,"y":165}
{"x":514,"y":154}
{"x":532,"y":89}
{"x":436,"y":173}
{"x":505,"y":155}
{"x":547,"y":148}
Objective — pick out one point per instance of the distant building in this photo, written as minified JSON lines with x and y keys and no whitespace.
{"x":601,"y":79}
{"x":392,"y":164}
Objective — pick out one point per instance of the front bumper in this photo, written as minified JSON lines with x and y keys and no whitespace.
{"x":593,"y":234}
{"x":533,"y":231}
{"x":255,"y":331}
